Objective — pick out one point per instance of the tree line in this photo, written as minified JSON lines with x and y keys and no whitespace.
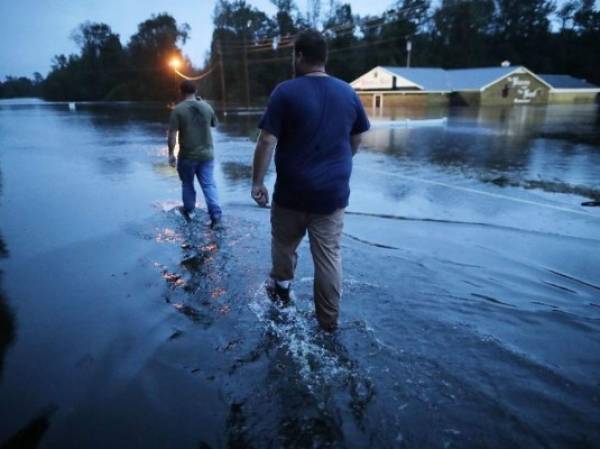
{"x":105,"y":69}
{"x":250,"y":51}
{"x":454,"y":34}
{"x":15,"y":87}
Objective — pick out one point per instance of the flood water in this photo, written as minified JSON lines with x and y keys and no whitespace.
{"x":471,"y":308}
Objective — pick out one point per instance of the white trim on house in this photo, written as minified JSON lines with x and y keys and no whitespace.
{"x":401,"y":92}
{"x":395,"y":75}
{"x":517,"y":70}
{"x":575,"y":90}
{"x":400,"y":81}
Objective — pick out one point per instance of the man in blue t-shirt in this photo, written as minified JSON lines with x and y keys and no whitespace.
{"x":314,"y":122}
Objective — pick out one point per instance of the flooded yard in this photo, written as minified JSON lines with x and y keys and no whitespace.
{"x":471,"y":308}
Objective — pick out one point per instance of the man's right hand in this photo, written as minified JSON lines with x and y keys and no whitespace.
{"x":260,"y":194}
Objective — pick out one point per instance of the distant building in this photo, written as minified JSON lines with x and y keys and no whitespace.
{"x":497,"y":86}
{"x":385,"y":86}
{"x":567,"y":89}
{"x":393,"y":86}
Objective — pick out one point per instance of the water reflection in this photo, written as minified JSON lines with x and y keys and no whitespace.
{"x":121,"y":115}
{"x":7,"y":317}
{"x":199,"y":286}
{"x":236,"y":171}
{"x":122,"y":134}
{"x":115,"y":166}
{"x":549,"y":148}
{"x":432,"y":306}
{"x":7,"y":322}
{"x":237,"y":427}
{"x":31,"y":435}
{"x":240,"y":123}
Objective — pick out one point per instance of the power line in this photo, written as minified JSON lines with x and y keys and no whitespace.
{"x":195,"y":78}
{"x":369,"y":44}
{"x":335,"y":50}
{"x":341,"y":29}
{"x":260,"y":61}
{"x":282,"y":40}
{"x":276,"y":43}
{"x":259,"y":50}
{"x":251,"y":49}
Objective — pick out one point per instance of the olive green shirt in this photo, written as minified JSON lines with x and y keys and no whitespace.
{"x":193,"y":119}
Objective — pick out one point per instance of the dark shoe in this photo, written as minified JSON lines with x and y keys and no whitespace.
{"x":328,"y":327}
{"x":279,"y":294}
{"x":186,"y":214}
{"x":216,"y":223}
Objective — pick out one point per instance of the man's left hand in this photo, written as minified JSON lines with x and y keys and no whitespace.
{"x":172,"y":160}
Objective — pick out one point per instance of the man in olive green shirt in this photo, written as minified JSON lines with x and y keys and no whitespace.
{"x":192,"y":119}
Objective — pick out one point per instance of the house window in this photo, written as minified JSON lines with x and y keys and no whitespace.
{"x":375,"y":74}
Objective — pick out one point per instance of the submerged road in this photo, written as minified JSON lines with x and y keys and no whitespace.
{"x":470,"y":317}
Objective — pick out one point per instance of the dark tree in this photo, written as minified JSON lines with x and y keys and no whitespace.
{"x":286,"y":24}
{"x":587,"y":19}
{"x":522,"y":33}
{"x":566,"y":15}
{"x":245,"y":34}
{"x":101,"y":59}
{"x":149,"y":51}
{"x":255,"y":49}
{"x":341,"y":27}
{"x":461,"y":33}
{"x":20,"y":87}
{"x":94,"y":73}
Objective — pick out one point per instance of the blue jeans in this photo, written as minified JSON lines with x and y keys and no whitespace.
{"x":187,"y":169}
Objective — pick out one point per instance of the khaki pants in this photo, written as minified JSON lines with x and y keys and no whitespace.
{"x":288,"y":227}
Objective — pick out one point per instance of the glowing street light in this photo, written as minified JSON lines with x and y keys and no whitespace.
{"x":175,"y":63}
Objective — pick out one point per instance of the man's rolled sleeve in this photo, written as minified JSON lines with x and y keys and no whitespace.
{"x":174,"y":121}
{"x":272,"y":119}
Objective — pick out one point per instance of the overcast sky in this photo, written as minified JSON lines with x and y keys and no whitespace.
{"x":33,"y":31}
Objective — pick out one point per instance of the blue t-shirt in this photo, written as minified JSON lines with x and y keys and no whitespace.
{"x":313,"y":118}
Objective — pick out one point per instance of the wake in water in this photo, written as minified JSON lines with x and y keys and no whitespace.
{"x":314,"y":352}
{"x":325,"y":392}
{"x":401,"y":363}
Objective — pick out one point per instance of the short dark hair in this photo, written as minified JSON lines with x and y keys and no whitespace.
{"x":187,"y":87}
{"x":312,"y":45}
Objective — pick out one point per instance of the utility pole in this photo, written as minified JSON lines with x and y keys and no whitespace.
{"x":175,"y":86}
{"x":246,"y":77}
{"x":222,"y":72}
{"x":408,"y":52}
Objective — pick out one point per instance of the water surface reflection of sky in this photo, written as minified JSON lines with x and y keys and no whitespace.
{"x":470,"y":315}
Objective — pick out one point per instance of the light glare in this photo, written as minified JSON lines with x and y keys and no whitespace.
{"x":175,"y":63}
